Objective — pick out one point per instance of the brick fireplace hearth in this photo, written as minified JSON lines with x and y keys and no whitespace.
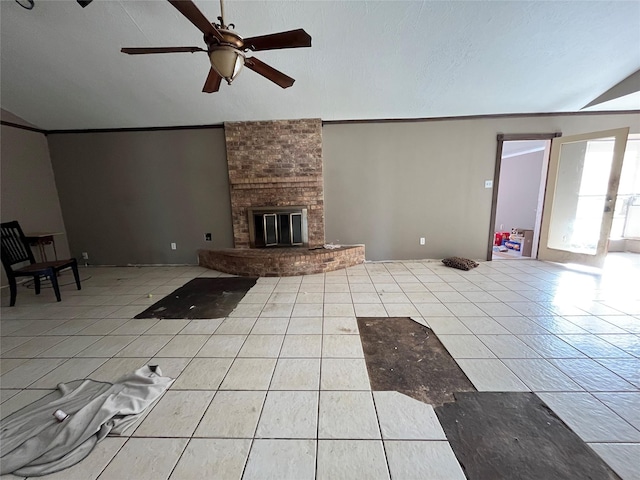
{"x":280,"y":262}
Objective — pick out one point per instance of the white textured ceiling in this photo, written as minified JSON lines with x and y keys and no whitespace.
{"x":61,"y":66}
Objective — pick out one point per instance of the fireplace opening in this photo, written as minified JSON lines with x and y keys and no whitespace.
{"x":278,"y":227}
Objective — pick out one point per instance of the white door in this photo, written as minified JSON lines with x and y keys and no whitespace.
{"x":582,"y":183}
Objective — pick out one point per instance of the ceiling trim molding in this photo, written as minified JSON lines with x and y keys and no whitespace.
{"x":481,"y":117}
{"x":336,"y":122}
{"x":23,"y":127}
{"x":137,"y":129}
{"x":510,"y":137}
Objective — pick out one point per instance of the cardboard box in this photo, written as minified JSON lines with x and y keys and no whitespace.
{"x":513,"y":245}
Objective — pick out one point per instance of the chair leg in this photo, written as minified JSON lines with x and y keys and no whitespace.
{"x":53,"y":276}
{"x":13,"y":288}
{"x":36,"y":282}
{"x":76,"y":275}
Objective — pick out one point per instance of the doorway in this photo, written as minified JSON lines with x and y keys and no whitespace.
{"x":520,"y":198}
{"x":519,"y":183}
{"x":618,"y":226}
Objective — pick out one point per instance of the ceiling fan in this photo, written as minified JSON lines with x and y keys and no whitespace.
{"x":226,"y":49}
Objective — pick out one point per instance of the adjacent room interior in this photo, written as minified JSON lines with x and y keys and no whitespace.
{"x":523,"y":169}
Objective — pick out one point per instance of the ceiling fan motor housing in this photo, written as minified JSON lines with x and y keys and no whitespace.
{"x":230,"y":37}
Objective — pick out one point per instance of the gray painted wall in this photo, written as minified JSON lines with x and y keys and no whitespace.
{"x":27,"y":187}
{"x":518,"y":191}
{"x":127,"y":195}
{"x":388,"y":184}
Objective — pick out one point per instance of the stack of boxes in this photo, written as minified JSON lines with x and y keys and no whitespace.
{"x":520,"y":241}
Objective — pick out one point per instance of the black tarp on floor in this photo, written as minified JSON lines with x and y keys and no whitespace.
{"x":201,"y":298}
{"x":509,"y":435}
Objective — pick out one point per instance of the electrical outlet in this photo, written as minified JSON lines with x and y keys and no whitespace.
{"x":422,"y":240}
{"x":488,"y":184}
{"x":85,"y":255}
{"x":173,"y":246}
{"x":207,"y":237}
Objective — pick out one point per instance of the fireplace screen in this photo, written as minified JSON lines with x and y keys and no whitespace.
{"x":278,"y":227}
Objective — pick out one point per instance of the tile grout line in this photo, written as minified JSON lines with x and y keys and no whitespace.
{"x":131,"y":435}
{"x":193,"y":357}
{"x":315,"y":471}
{"x":424,"y":440}
{"x":255,"y":431}
{"x":163,"y":395}
{"x":114,"y":456}
{"x":508,"y":287}
{"x":384,"y":450}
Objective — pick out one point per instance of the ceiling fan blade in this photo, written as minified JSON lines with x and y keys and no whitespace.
{"x":195,"y":16}
{"x":268,"y":72}
{"x":146,"y":50}
{"x":212,"y":83}
{"x":292,"y":39}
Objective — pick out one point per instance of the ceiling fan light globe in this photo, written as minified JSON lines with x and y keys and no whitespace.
{"x":227,"y":61}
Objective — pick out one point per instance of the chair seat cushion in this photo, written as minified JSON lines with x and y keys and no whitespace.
{"x":36,"y":267}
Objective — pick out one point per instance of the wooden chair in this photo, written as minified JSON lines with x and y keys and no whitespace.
{"x":16,"y":250}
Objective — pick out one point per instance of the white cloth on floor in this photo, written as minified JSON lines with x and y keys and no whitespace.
{"x":34,"y":442}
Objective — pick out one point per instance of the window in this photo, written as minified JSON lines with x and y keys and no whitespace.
{"x":626,"y":219}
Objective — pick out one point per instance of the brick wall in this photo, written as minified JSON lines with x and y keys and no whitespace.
{"x":275,"y":164}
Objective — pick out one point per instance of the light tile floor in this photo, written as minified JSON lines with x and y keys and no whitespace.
{"x":279,"y":389}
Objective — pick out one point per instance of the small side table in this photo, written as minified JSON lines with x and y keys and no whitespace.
{"x":40,"y":240}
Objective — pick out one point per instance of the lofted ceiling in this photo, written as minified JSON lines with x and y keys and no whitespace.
{"x":61,"y":66}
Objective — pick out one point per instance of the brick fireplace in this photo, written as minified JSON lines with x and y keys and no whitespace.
{"x":275,"y":164}
{"x":277,"y":202}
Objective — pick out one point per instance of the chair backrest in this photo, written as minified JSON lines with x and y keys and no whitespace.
{"x":15,"y":248}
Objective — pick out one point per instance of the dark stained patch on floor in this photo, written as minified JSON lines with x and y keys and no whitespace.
{"x":515,"y":435}
{"x":201,"y":298}
{"x":407,"y":357}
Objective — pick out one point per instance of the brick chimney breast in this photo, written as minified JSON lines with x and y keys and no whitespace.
{"x":275,"y":164}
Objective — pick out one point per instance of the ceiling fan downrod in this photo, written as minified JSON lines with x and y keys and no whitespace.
{"x":221,"y":17}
